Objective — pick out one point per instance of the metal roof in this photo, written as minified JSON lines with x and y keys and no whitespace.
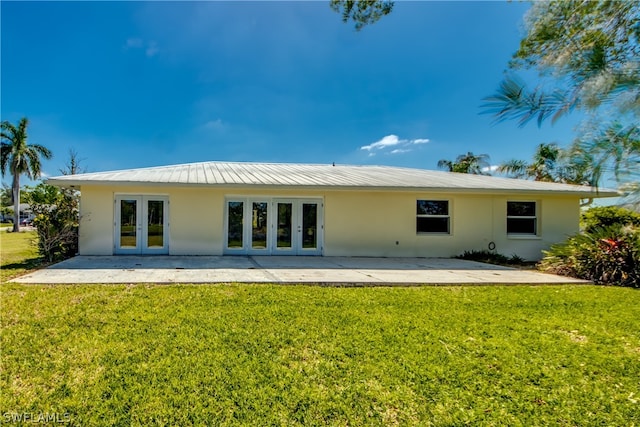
{"x":319,"y":176}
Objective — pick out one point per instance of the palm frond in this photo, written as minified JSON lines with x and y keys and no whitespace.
{"x":514,"y":101}
{"x":514,"y":168}
{"x":362,"y":12}
{"x":445,"y":164}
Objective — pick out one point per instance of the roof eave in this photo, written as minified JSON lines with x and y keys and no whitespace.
{"x":587,"y":193}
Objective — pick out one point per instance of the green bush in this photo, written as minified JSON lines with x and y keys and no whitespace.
{"x":491,"y":257}
{"x":56,"y":221}
{"x":605,"y":255}
{"x":605,"y":216}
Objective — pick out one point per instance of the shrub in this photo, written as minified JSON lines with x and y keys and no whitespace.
{"x":56,"y":221}
{"x":516,"y":260}
{"x":605,"y":255}
{"x":491,"y":257}
{"x":605,"y":216}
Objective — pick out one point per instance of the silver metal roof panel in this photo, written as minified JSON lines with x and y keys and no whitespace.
{"x":320,"y":176}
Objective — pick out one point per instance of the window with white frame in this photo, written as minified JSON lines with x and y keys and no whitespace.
{"x":522,"y":218}
{"x":432,"y":216}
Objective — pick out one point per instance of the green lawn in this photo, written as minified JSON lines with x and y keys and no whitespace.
{"x":18,"y":254}
{"x":281,"y":355}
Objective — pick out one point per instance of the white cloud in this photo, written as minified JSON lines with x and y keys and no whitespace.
{"x":420,"y":141}
{"x":150,"y":47}
{"x":394,"y":143}
{"x":134,"y":43}
{"x":216,"y":124}
{"x":491,"y":168}
{"x":387,"y":141}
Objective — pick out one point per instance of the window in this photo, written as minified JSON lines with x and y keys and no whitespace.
{"x":521,"y":218}
{"x":235,"y":217}
{"x":432,"y":216}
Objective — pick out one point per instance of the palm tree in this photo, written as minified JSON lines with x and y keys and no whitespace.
{"x":19,"y":158}
{"x":614,"y":149}
{"x":543,"y":167}
{"x":467,"y":163}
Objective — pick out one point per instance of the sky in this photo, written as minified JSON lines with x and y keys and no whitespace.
{"x":139,"y":84}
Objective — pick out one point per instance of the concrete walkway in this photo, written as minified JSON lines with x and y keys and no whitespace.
{"x":278,"y":269}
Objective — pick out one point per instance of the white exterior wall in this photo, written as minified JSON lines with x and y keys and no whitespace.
{"x":384,"y":224}
{"x":96,"y":221}
{"x":356,"y":223}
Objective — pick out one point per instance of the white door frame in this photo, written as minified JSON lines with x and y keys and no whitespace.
{"x":141,"y":226}
{"x":271,"y":248}
{"x":297,"y":221}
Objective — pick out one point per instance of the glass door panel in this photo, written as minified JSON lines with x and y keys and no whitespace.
{"x":141,"y":225}
{"x":235,"y":215}
{"x":155,"y":236}
{"x":264,"y":226}
{"x":309,"y":226}
{"x":285,"y":226}
{"x":155,"y":224}
{"x":298,"y":227}
{"x":128,"y":219}
{"x":259,"y":225}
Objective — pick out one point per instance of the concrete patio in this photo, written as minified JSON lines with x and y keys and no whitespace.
{"x":339,"y":271}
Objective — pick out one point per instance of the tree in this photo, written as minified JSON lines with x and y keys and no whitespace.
{"x":73,"y":165}
{"x":587,"y":55}
{"x":362,"y":12}
{"x":6,"y":195}
{"x":616,"y":147}
{"x":6,"y":200}
{"x":542,"y":168}
{"x":57,"y":214}
{"x":467,"y":163}
{"x":19,"y":158}
{"x":56,"y":221}
{"x":551,"y":163}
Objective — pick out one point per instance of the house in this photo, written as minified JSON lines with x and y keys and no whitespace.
{"x":215,"y":208}
{"x":26,"y":215}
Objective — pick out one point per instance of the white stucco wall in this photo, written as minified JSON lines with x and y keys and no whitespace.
{"x":356,"y":223}
{"x":195,"y":217}
{"x":96,"y":221}
{"x":384,"y":224}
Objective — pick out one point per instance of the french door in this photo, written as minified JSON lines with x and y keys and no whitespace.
{"x":273,"y":226}
{"x":298,"y":227}
{"x":141,"y":225}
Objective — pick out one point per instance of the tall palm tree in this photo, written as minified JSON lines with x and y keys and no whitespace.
{"x":19,"y":158}
{"x":467,"y":163}
{"x":543,"y":167}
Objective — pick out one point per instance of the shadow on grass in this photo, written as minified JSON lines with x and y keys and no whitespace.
{"x":15,"y":269}
{"x":29,"y":263}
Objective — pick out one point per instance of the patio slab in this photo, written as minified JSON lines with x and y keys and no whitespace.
{"x":343,"y":271}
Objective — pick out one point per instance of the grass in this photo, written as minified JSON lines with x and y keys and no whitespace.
{"x":18,"y":254}
{"x":286,"y":355}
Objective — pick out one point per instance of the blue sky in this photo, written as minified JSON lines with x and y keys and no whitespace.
{"x":137,"y":84}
